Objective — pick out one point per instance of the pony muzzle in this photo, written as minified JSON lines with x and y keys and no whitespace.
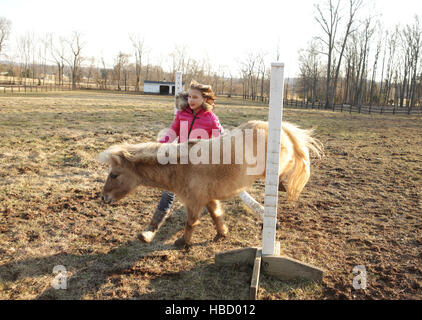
{"x":107,"y":199}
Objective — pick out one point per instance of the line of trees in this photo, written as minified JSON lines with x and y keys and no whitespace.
{"x":50,"y":59}
{"x":355,"y":60}
{"x":352,"y":60}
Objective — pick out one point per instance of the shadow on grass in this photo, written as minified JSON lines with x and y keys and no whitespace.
{"x":104,"y":276}
{"x":88,"y":273}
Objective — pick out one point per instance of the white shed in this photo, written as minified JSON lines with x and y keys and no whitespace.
{"x":159,"y":87}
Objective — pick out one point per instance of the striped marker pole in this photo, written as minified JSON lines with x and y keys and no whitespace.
{"x":251,"y":203}
{"x":178,"y":88}
{"x":269,"y":246}
{"x":273,"y":264}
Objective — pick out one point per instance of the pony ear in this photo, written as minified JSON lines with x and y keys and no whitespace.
{"x":110,"y":158}
{"x":115,"y":160}
{"x":182,"y":100}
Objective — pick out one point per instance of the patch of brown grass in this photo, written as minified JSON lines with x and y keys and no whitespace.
{"x":361,"y":207}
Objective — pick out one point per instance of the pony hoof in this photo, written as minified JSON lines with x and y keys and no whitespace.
{"x":181,"y":243}
{"x":219,"y":237}
{"x":146,"y":236}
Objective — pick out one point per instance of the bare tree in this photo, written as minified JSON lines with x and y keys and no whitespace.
{"x":75,"y":59}
{"x":414,"y":38}
{"x":310,"y":66}
{"x":44,"y":45}
{"x":351,"y":64}
{"x":329,"y":22}
{"x":148,"y":65}
{"x":354,"y":6}
{"x":104,"y":73}
{"x":250,"y":69}
{"x":374,"y":68}
{"x":5,"y":26}
{"x":90,"y":70}
{"x":139,"y":46}
{"x":405,"y":40}
{"x":366,"y":36}
{"x":58,"y":52}
{"x":260,"y":73}
{"x":24,"y":46}
{"x":384,"y":39}
{"x":179,"y":60}
{"x":119,"y":67}
{"x":392,"y":45}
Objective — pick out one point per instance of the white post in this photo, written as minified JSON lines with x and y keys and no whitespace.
{"x":273,"y":159}
{"x":178,"y":88}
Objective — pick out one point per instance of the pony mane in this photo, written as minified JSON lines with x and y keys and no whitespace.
{"x":145,"y":153}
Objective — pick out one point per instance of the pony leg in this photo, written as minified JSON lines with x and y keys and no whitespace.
{"x":216,"y":212}
{"x":191,"y":223}
{"x":281,"y":186}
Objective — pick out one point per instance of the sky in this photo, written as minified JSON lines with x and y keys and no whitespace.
{"x":225,"y":31}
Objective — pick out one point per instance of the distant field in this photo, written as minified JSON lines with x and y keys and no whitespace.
{"x":362,"y":206}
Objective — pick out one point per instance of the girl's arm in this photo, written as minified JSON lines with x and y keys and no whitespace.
{"x":217,"y":128}
{"x":173,"y":132}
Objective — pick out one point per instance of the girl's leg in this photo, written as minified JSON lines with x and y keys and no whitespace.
{"x":160,"y":215}
{"x":167,"y":199}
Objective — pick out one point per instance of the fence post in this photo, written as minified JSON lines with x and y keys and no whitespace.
{"x":178,"y":88}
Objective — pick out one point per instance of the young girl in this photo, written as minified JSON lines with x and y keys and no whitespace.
{"x":195,"y":112}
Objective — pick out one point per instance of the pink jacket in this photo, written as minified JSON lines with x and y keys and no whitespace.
{"x":186,"y":125}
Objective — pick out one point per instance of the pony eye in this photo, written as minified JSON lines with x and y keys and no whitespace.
{"x":113,"y":176}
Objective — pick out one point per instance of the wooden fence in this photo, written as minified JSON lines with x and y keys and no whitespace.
{"x":300,"y":104}
{"x":289,"y":103}
{"x":33,"y":88}
{"x":356,"y":109}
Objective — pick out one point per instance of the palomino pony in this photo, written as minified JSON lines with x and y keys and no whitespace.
{"x":200,"y":185}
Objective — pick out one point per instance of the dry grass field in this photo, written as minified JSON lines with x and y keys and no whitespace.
{"x":362,"y":206}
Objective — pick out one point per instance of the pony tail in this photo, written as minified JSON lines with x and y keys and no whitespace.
{"x":302,"y":141}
